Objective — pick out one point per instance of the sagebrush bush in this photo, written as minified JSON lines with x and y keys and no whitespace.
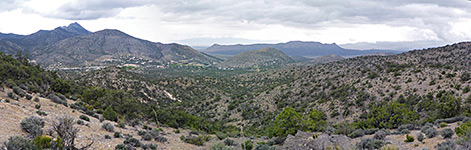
{"x":161,"y":139}
{"x":447,"y":145}
{"x":29,"y":97}
{"x":147,"y":137}
{"x":371,"y":131}
{"x":149,"y":146}
{"x":80,"y":122}
{"x":199,"y":140}
{"x":420,"y":137}
{"x":108,"y":127}
{"x":33,"y":125}
{"x":19,"y":143}
{"x":447,"y":133}
{"x":368,"y":143}
{"x":380,"y":135}
{"x":221,"y":135}
{"x":36,"y":99}
{"x":357,"y":133}
{"x":57,"y":100}
{"x":19,"y":91}
{"x":117,"y":134}
{"x":107,"y":136}
{"x":431,"y":132}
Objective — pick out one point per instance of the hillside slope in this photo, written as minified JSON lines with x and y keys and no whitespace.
{"x":266,"y":57}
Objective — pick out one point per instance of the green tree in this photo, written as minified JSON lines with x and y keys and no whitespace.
{"x":110,"y":114}
{"x":449,"y":106}
{"x":287,"y":122}
{"x":315,"y":121}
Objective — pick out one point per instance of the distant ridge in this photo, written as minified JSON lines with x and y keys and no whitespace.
{"x":293,"y":48}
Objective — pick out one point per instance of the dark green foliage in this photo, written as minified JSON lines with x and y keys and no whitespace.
{"x":221,"y":135}
{"x":149,"y":146}
{"x":449,"y":106}
{"x":147,"y":137}
{"x":120,"y":147}
{"x":83,"y":117}
{"x":33,"y":125}
{"x":41,"y":113}
{"x":19,"y":91}
{"x":219,"y":146}
{"x":80,"y":122}
{"x":132,"y":142}
{"x":315,"y":121}
{"x":229,"y":142}
{"x":409,"y":139}
{"x":108,"y":127}
{"x":161,"y":139}
{"x":107,"y":136}
{"x":29,"y":97}
{"x":464,"y":129}
{"x":117,"y":134}
{"x":388,"y":115}
{"x":57,"y":100}
{"x":37,"y":106}
{"x":36,"y":99}
{"x":110,"y":114}
{"x":43,"y":142}
{"x":19,"y":143}
{"x":247,"y":145}
{"x":447,"y":133}
{"x":287,"y":122}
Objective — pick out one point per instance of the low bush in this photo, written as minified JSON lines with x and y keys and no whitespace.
{"x":447,"y":145}
{"x":19,"y":91}
{"x":229,"y":142}
{"x":57,"y":100}
{"x":108,"y":127}
{"x":420,"y":137}
{"x":43,"y":142}
{"x":247,"y":145}
{"x":446,"y":133}
{"x":149,"y":146}
{"x":199,"y":140}
{"x":120,"y":147}
{"x":36,"y":99}
{"x":219,"y":146}
{"x":83,"y":117}
{"x":107,"y":136}
{"x":409,"y":139}
{"x":371,"y":131}
{"x":33,"y":125}
{"x":443,"y":125}
{"x":41,"y":113}
{"x":29,"y":97}
{"x":80,"y":122}
{"x":117,"y":134}
{"x":132,"y":142}
{"x":19,"y":143}
{"x":463,"y":129}
{"x":368,"y":143}
{"x":221,"y":135}
{"x":357,"y":133}
{"x":147,"y":137}
{"x":161,"y":139}
{"x":429,"y":131}
{"x":37,"y":106}
{"x":380,"y":135}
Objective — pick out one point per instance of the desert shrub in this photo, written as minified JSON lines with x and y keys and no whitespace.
{"x":409,"y":139}
{"x":357,"y":133}
{"x":132,"y":142}
{"x":149,"y":146}
{"x":83,"y":117}
{"x":41,"y":113}
{"x":80,"y":122}
{"x":36,"y":99}
{"x":37,"y":106}
{"x":110,"y":114}
{"x":19,"y":91}
{"x":33,"y":125}
{"x":264,"y":147}
{"x":107,"y":136}
{"x":371,"y":131}
{"x":57,"y":100}
{"x":120,"y":147}
{"x":43,"y":142}
{"x":447,"y":145}
{"x":368,"y":143}
{"x":219,"y":146}
{"x":449,"y":120}
{"x":247,"y":145}
{"x":108,"y":127}
{"x":464,"y":129}
{"x":229,"y":142}
{"x":221,"y":135}
{"x":420,"y":137}
{"x":287,"y":122}
{"x":446,"y":133}
{"x":199,"y":140}
{"x":117,"y":134}
{"x":380,"y":135}
{"x":147,"y":137}
{"x":29,"y":97}
{"x":429,"y":131}
{"x":11,"y":95}
{"x":443,"y":125}
{"x":19,"y":143}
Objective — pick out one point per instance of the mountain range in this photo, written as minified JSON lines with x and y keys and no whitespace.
{"x":74,"y":46}
{"x":293,"y":48}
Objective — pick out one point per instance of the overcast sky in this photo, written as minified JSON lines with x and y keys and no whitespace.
{"x":361,"y":24}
